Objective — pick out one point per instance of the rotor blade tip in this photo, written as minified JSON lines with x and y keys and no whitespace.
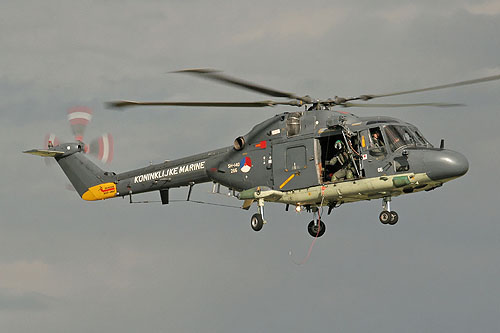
{"x":198,"y":71}
{"x":118,"y":104}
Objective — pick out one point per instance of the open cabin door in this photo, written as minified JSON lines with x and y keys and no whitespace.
{"x":295,"y":165}
{"x":340,"y":158}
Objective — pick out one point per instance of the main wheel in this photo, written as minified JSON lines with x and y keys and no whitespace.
{"x":394,"y":218}
{"x":256,"y":222}
{"x":385,"y":217}
{"x":313,"y":229}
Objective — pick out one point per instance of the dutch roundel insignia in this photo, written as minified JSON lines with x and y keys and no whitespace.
{"x":245,"y":164}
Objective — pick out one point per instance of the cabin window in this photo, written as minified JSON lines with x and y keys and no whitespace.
{"x":296,"y":158}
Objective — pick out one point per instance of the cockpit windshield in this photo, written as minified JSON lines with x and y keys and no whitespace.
{"x":402,"y":136}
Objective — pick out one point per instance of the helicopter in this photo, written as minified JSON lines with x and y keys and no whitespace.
{"x":311,"y":158}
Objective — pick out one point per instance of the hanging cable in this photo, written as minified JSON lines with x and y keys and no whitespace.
{"x":306,"y":258}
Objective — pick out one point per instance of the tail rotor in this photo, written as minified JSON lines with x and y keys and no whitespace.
{"x":102,"y":148}
{"x":51,"y":140}
{"x":79,"y":117}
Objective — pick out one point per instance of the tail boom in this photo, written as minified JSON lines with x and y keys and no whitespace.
{"x":92,"y":183}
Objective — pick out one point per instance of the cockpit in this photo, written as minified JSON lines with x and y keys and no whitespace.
{"x":404,"y":136}
{"x":347,"y":155}
{"x":395,"y":137}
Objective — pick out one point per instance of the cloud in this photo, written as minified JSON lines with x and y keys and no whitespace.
{"x":24,"y":301}
{"x":489,"y":8}
{"x":24,"y":275}
{"x":293,"y":25}
{"x":399,"y":14}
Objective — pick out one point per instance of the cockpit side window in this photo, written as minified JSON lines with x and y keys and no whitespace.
{"x":376,"y":146}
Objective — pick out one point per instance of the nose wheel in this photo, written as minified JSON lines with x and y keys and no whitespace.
{"x":390,"y":218}
{"x":387,"y":216}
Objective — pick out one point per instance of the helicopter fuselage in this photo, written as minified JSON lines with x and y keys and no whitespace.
{"x":311,"y":158}
{"x":286,"y":159}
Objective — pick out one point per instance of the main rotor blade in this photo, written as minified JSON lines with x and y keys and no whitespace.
{"x":439,"y":105}
{"x":216,"y":75}
{"x":122,"y":104}
{"x":450,"y":85}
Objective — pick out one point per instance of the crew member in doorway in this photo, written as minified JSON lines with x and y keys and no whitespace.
{"x":342,"y":160}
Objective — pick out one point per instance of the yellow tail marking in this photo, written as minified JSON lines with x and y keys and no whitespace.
{"x":286,"y":181}
{"x":100,"y":192}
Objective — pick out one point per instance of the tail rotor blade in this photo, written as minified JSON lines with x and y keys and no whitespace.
{"x":102,"y":148}
{"x":50,"y":140}
{"x":79,"y":117}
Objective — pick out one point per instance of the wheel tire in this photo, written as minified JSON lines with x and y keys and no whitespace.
{"x":313,"y":231}
{"x":385,"y":217}
{"x":394,"y":218}
{"x":256,"y":222}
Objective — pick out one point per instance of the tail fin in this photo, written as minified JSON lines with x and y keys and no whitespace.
{"x":88,"y":179}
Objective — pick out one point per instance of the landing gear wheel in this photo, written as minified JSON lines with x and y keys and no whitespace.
{"x":394,"y":218}
{"x":313,"y":229}
{"x":385,"y":217}
{"x":256,"y":222}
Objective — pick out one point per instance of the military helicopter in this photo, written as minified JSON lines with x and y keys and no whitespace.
{"x":311,"y":158}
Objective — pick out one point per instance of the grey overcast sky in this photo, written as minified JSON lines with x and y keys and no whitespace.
{"x":72,"y":266}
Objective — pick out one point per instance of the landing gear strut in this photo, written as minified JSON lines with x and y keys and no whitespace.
{"x":316,"y":227}
{"x":387,"y":216}
{"x":257,"y":221}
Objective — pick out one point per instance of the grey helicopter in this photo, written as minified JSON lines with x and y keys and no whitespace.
{"x":309,"y":158}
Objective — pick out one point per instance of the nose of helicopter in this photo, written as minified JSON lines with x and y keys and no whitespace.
{"x":444,"y":164}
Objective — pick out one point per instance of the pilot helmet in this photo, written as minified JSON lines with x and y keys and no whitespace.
{"x":338,"y":145}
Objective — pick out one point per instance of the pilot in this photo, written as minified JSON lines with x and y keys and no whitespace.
{"x":377,"y":148}
{"x":342,"y":159}
{"x":377,"y":140}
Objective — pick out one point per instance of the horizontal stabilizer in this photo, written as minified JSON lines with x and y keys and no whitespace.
{"x":44,"y":152}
